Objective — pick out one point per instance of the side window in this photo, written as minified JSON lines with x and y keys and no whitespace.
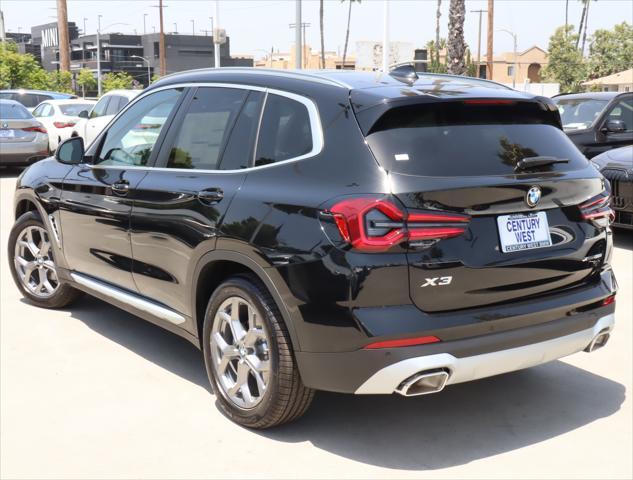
{"x":131,"y":138}
{"x":623,"y":111}
{"x":43,"y":98}
{"x":29,"y":100}
{"x":113,"y":106}
{"x":100,"y":108}
{"x":38,"y":111}
{"x":285,"y":131}
{"x":47,"y":110}
{"x":205,"y":128}
{"x":239,"y":149}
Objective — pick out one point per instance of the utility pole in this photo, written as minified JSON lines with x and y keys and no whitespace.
{"x":161,"y":42}
{"x":479,"y":41}
{"x":491,"y":19}
{"x":63,"y":39}
{"x":304,"y":54}
{"x":298,"y":49}
{"x":216,"y":36}
{"x":99,"y":55}
{"x":385,"y":37}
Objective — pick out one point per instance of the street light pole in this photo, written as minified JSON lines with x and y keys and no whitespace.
{"x":298,"y":49}
{"x":514,"y":68}
{"x":144,"y":18}
{"x":193,"y":27}
{"x":385,"y":37}
{"x":216,"y":40}
{"x":149,"y":76}
{"x":99,"y":55}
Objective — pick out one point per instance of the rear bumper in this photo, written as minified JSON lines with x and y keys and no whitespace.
{"x":465,"y":369}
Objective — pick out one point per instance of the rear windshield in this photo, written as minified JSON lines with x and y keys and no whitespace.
{"x":73,"y":109}
{"x":579,"y":113}
{"x":454,"y":139}
{"x":13,"y":111}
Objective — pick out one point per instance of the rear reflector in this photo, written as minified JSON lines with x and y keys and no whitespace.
{"x":608,"y":301}
{"x":63,"y":124}
{"x":402,"y":342}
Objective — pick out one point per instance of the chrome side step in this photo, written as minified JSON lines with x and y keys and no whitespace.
{"x":129,"y":298}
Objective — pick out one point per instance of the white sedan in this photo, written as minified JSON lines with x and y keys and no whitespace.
{"x":59,"y":117}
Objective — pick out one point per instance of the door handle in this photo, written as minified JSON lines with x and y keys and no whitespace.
{"x":121,"y":188}
{"x":210,"y":196}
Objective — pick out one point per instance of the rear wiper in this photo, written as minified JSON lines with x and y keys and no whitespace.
{"x":529,"y":162}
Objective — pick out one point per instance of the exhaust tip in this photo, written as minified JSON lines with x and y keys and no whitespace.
{"x":599,"y":341}
{"x":423,"y":383}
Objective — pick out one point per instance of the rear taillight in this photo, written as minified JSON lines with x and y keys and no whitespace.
{"x":39,"y":129}
{"x":371,"y":224}
{"x":64,"y":124}
{"x":609,"y":300}
{"x":597,"y":210}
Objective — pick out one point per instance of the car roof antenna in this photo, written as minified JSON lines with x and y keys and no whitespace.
{"x":405,"y":74}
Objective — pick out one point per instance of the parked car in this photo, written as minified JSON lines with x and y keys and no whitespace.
{"x":23,"y":140}
{"x":94,"y":120}
{"x":617,"y":166}
{"x":597,"y":121}
{"x":32,"y":98}
{"x":329,"y":231}
{"x":59,"y":117}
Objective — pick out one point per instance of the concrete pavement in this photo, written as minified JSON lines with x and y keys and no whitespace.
{"x":93,"y":392}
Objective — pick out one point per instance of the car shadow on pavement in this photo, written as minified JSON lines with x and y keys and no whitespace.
{"x":623,"y":238}
{"x":463,"y":423}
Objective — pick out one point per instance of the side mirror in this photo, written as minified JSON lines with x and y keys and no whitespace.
{"x":83,"y":114}
{"x":71,"y":151}
{"x":614,"y":126}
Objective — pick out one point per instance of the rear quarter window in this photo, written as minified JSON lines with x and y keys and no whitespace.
{"x":455,"y":139}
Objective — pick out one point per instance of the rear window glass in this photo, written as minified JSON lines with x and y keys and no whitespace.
{"x":453,"y":139}
{"x":13,"y":111}
{"x":73,"y":109}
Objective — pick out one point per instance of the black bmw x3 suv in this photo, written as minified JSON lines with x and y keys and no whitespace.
{"x":338,"y":231}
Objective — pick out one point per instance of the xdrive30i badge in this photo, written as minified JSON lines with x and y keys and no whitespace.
{"x":533,"y":196}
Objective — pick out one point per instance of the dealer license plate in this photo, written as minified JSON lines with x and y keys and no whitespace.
{"x":523,"y":231}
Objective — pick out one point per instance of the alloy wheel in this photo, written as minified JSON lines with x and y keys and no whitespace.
{"x":34,"y":263}
{"x":240,"y":352}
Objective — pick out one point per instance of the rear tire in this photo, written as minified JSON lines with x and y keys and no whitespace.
{"x":33,"y":266}
{"x":248,"y":356}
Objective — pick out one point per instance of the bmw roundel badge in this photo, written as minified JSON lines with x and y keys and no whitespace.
{"x":533,"y":196}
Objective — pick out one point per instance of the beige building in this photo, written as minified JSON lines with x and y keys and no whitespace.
{"x":529,"y":65}
{"x":618,"y":82}
{"x":311,"y":60}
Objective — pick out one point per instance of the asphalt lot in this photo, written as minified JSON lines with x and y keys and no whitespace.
{"x":94,"y":392}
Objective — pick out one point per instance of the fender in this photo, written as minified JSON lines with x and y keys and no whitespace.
{"x":268,"y":275}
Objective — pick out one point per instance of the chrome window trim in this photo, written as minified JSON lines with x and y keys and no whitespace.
{"x":316,"y":126}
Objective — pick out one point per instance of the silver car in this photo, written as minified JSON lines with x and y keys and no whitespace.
{"x":23,"y":140}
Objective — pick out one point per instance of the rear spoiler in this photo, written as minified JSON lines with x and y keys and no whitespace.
{"x":370,"y":108}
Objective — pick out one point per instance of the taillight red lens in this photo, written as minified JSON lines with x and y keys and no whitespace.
{"x":40,"y":129}
{"x":402,"y":342}
{"x":371,"y":224}
{"x":63,"y":124}
{"x":608,"y":301}
{"x":598,"y":210}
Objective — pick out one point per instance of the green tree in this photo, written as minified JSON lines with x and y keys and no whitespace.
{"x":566,"y":65}
{"x":611,"y":51}
{"x":434,"y":64}
{"x":19,"y":70}
{"x":116,"y":81}
{"x":60,"y":82}
{"x":86,"y":80}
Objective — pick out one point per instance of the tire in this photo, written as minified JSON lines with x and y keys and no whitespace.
{"x":59,"y":294}
{"x":284,"y":398}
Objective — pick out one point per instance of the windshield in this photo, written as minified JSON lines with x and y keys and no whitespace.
{"x":579,"y":113}
{"x":450,"y":139}
{"x":73,"y":109}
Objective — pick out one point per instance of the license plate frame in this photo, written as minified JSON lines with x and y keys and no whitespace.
{"x":523,"y":231}
{"x":7,"y":133}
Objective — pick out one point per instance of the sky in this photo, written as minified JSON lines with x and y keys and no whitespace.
{"x":256,"y":26}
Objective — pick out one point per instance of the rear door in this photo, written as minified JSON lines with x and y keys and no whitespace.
{"x":97,"y":198}
{"x":455,"y":166}
{"x":180,"y":204}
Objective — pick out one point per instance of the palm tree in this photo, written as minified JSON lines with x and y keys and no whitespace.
{"x":322,"y":36}
{"x":349,"y":17}
{"x":438,"y":14}
{"x":456,"y":45}
{"x":582,"y":20}
{"x":584,"y":35}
